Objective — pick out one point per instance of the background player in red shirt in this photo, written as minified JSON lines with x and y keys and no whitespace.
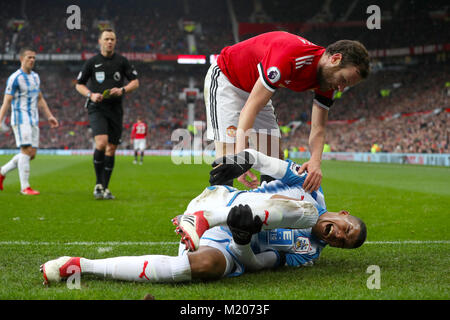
{"x":138,"y":139}
{"x":238,"y":91}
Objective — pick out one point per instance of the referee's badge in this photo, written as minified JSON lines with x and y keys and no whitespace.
{"x":100,"y":76}
{"x":117,"y":76}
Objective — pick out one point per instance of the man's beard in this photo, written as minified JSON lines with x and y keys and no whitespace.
{"x":325,"y":77}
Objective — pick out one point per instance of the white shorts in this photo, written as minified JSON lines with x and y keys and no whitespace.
{"x":140,"y":144}
{"x":224,"y":103}
{"x":26,"y":135}
{"x":219,"y":238}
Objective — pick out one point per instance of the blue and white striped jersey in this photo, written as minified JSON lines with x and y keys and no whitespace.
{"x":300,"y":246}
{"x":25,"y":90}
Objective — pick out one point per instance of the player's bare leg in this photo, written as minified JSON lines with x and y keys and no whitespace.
{"x":222,"y":149}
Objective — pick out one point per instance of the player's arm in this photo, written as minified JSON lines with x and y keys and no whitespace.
{"x":130,"y":87}
{"x":259,"y":96}
{"x":43,"y":106}
{"x":232,"y":166}
{"x":6,"y":105}
{"x":85,"y":92}
{"x":300,"y":259}
{"x":82,"y":80}
{"x":319,"y":118}
{"x":243,"y":225}
{"x":131,"y":74}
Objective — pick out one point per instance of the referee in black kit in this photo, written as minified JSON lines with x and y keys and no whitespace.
{"x":105,"y":73}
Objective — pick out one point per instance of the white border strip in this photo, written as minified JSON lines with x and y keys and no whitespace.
{"x":162,"y":243}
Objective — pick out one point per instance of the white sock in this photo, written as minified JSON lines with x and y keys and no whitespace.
{"x":252,"y":262}
{"x":275,"y":213}
{"x":24,"y":170}
{"x":152,"y":268}
{"x":11,"y":165}
{"x":217,"y":216}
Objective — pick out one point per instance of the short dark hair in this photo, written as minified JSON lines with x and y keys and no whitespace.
{"x":25,"y":49}
{"x":105,"y":30}
{"x":353,"y":53}
{"x":362,"y":233}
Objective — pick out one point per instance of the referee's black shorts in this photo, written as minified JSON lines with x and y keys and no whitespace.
{"x":106,"y":119}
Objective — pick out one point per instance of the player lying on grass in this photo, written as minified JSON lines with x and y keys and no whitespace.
{"x":242,"y":246}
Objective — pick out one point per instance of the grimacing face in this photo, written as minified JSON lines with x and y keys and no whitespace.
{"x":338,"y":229}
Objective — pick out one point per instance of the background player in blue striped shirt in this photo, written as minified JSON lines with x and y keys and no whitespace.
{"x":23,"y":95}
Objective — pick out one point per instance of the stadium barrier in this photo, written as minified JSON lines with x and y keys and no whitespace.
{"x":430,"y":159}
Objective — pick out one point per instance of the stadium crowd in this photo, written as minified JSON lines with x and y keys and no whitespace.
{"x":163,"y":30}
{"x":376,"y":108}
{"x":361,"y":117}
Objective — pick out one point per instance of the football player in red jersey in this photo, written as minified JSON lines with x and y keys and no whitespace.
{"x":139,"y":139}
{"x":239,"y":87}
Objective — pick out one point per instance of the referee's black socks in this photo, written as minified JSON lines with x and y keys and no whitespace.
{"x":109,"y":166}
{"x":99,"y":165}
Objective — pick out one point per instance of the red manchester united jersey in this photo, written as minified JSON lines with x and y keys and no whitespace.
{"x":139,"y":130}
{"x":280,"y":59}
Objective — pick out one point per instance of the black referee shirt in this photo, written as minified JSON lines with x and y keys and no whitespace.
{"x":100,"y":73}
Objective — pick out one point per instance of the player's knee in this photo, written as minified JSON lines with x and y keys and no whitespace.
{"x":110,"y":149}
{"x":101,"y":145}
{"x":101,"y":142}
{"x":207,"y":265}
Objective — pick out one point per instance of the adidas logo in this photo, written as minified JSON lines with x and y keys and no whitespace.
{"x":301,"y":61}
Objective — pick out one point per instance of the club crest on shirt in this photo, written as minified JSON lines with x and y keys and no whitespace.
{"x":100,"y":76}
{"x":273,"y":74}
{"x":302,"y":244}
{"x":231,"y":131}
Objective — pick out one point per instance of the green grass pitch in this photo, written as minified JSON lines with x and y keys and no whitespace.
{"x":406,"y":209}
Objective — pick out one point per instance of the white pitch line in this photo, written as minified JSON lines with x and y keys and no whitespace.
{"x":409,"y":242}
{"x":153,"y":243}
{"x":87,"y":243}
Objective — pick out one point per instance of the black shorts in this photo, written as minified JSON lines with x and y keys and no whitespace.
{"x":106,"y":120}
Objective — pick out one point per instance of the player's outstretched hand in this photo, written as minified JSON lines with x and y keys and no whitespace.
{"x":242,"y":224}
{"x":314,"y":178}
{"x":230,"y":167}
